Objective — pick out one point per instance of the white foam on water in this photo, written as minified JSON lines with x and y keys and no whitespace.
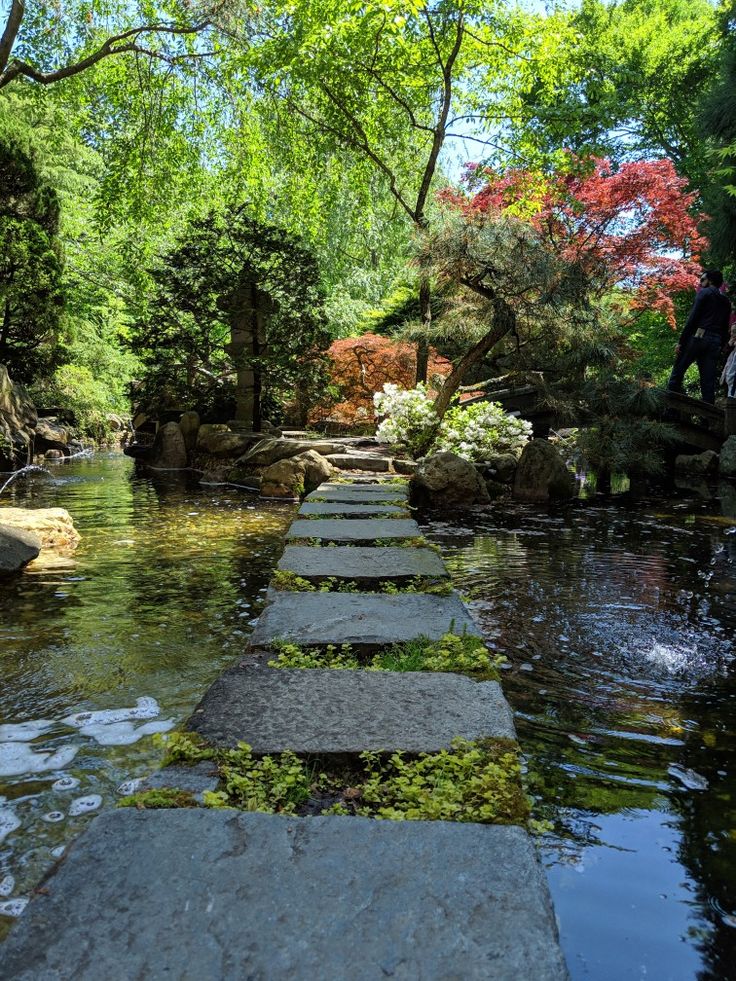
{"x":18,"y":758}
{"x":24,"y":732}
{"x":53,"y":817}
{"x":124,"y":733}
{"x":7,"y":885}
{"x":84,"y":805}
{"x":145,"y":708}
{"x":13,"y":907}
{"x":674,"y":658}
{"x":9,"y":821}
{"x":65,"y":783}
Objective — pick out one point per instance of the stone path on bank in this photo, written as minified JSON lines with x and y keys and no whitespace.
{"x":202,"y":893}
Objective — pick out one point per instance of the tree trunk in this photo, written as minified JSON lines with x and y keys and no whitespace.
{"x":245,"y":317}
{"x":504,"y":322}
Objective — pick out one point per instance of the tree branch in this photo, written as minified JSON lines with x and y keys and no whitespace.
{"x":17,"y":10}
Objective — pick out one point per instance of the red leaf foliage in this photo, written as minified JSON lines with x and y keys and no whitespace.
{"x":630,"y":229}
{"x":362,"y":365}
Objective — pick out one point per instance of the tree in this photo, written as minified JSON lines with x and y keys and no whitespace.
{"x":31,"y":297}
{"x":554,"y":252}
{"x":390,"y":82}
{"x":37,"y":36}
{"x":237,"y":297}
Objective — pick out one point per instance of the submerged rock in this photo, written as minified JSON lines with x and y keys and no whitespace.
{"x":17,"y":549}
{"x":542,"y":475}
{"x":447,"y":480}
{"x":53,"y":527}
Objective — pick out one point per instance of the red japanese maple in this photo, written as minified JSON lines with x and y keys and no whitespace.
{"x":631,"y":230}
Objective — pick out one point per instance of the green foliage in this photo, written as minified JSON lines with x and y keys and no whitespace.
{"x":478,"y":782}
{"x":31,"y":294}
{"x":271,"y":784}
{"x":461,"y":653}
{"x":294,"y":656}
{"x":166,"y":797}
{"x":224,"y":264}
{"x":184,"y":747}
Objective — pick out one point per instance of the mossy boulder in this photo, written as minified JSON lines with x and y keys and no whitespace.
{"x":542,"y":475}
{"x":447,"y":480}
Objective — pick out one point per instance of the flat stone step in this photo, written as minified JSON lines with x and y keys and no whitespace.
{"x":360,"y":461}
{"x":367,"y":621}
{"x":356,"y":530}
{"x":226,"y":895}
{"x":358,"y":494}
{"x":335,"y":713}
{"x":347,"y":510}
{"x":361,"y":563}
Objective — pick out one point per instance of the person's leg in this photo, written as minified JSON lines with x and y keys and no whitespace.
{"x":682,"y":362}
{"x":707,"y":358}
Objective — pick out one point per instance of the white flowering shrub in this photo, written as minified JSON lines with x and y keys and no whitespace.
{"x":482,"y":430}
{"x":409,"y":416}
{"x":475,"y":433}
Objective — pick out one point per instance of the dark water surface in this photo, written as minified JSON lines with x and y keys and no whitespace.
{"x":158,"y":599}
{"x":618,"y":623}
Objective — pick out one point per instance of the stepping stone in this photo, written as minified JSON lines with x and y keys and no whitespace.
{"x":360,"y":562}
{"x":360,"y":461}
{"x":351,"y":494}
{"x":338,"y":508}
{"x":326,"y":712}
{"x":219,"y":894}
{"x":357,"y":530}
{"x":368,"y":621}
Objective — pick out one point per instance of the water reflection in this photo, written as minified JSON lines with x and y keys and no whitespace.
{"x":618,"y":623}
{"x":157,"y":600}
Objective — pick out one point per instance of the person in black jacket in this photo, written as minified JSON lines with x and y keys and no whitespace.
{"x":703,"y":337}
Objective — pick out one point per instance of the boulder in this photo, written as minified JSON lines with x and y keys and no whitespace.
{"x":727,"y":461}
{"x":206,"y":432}
{"x":53,"y":455}
{"x":18,"y":418}
{"x":189,"y":425}
{"x":284,"y":479}
{"x":53,"y":527}
{"x":701,"y":464}
{"x":226,"y":444}
{"x":446,"y":480}
{"x":502,"y":468}
{"x":17,"y":549}
{"x":271,"y":450}
{"x":316,"y":470}
{"x":405,"y":467}
{"x":51,"y":435}
{"x":541,"y":474}
{"x":169,"y":451}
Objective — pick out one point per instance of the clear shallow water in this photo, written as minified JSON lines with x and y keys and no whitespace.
{"x":619,"y":627}
{"x":158,"y":599}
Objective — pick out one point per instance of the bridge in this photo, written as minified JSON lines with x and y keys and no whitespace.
{"x":699,"y":426}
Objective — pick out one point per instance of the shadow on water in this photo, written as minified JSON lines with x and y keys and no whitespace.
{"x":618,"y":624}
{"x":159,"y":597}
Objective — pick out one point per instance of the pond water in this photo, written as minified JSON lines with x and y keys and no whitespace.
{"x":618,"y":624}
{"x":617,"y":621}
{"x":158,"y":599}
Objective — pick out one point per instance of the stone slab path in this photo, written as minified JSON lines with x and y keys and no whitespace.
{"x":362,"y":562}
{"x":326,"y":712}
{"x":351,"y":510}
{"x":366,"y":621}
{"x":220,"y":895}
{"x":359,"y":494}
{"x":356,"y":530}
{"x":200,"y":893}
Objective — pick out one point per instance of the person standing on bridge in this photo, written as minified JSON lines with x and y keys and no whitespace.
{"x":704,"y":336}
